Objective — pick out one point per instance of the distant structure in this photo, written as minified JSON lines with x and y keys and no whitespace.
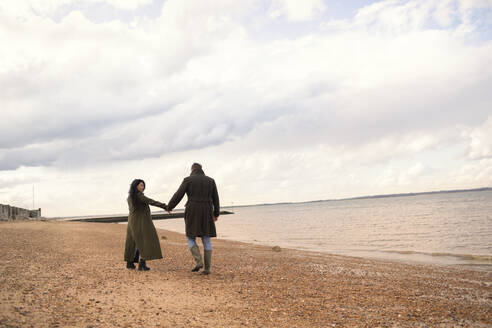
{"x":16,"y":213}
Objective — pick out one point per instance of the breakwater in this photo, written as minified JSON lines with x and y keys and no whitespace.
{"x":124,"y":218}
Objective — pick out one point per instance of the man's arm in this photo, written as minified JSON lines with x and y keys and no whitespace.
{"x":178,"y":196}
{"x":215,"y":201}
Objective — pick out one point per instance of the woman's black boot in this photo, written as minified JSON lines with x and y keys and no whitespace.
{"x":130,"y":265}
{"x":142,"y":266}
{"x":137,"y":255}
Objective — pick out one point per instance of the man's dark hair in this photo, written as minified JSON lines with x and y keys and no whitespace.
{"x":196,"y":166}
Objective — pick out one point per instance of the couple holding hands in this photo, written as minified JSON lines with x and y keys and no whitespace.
{"x":201,"y":212}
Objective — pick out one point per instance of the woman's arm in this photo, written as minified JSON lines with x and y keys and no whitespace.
{"x":141,"y":197}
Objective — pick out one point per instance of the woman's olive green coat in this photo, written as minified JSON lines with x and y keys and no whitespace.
{"x":140,"y":231}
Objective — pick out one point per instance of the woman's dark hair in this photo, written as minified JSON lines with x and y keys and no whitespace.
{"x":133,"y":190}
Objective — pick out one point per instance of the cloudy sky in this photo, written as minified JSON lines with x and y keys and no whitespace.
{"x":280,"y":100}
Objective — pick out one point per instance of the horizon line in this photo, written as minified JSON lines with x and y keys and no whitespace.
{"x":408,"y":194}
{"x":315,"y":201}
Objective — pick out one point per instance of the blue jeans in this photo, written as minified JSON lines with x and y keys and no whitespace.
{"x":207,"y":243}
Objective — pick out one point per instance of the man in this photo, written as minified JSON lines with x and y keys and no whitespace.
{"x":201,"y":212}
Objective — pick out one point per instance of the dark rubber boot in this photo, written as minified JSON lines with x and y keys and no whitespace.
{"x":142,"y":266}
{"x":208,"y":261}
{"x":137,"y":255}
{"x":195,"y":252}
{"x":130,"y":265}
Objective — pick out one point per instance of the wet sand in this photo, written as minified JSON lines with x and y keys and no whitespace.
{"x":71,"y":274}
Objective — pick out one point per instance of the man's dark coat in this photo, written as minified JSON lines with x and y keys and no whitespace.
{"x":202,"y":205}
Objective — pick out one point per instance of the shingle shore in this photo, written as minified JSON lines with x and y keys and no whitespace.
{"x":71,"y":274}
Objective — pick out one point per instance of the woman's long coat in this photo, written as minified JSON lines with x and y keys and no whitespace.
{"x":140,"y":231}
{"x":202,"y":205}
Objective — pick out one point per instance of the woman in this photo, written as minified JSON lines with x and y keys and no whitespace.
{"x":141,"y":237}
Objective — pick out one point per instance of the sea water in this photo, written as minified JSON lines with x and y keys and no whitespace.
{"x":443,"y":228}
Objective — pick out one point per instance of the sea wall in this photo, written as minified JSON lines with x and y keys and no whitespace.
{"x":8,"y":212}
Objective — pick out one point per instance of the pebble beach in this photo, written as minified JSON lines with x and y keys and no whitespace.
{"x":72,"y":274}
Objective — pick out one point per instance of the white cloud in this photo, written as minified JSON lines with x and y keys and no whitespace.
{"x":125,"y":4}
{"x":445,"y":13}
{"x":294,"y":10}
{"x":374,"y":104}
{"x":29,"y":9}
{"x":475,"y":174}
{"x":480,"y":140}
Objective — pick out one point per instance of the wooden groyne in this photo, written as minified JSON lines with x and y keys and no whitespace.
{"x":8,"y":212}
{"x":124,"y":218}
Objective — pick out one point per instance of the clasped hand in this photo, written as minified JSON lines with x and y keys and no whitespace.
{"x":169,"y":212}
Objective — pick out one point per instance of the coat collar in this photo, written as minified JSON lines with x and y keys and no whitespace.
{"x":197,"y":172}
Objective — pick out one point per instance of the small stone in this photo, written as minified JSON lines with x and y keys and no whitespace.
{"x":276,"y":248}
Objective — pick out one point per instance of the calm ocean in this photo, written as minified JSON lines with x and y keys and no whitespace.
{"x":446,"y":228}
